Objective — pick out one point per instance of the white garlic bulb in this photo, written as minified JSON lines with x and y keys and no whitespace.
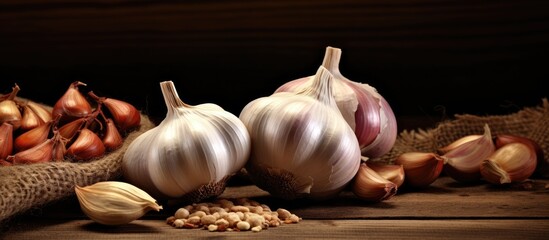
{"x":364,"y":109}
{"x":302,"y":146}
{"x":191,"y":154}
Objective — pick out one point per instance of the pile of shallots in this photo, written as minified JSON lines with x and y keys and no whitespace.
{"x":75,"y":129}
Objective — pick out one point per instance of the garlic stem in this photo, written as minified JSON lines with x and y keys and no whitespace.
{"x":331,"y":60}
{"x":171,"y":98}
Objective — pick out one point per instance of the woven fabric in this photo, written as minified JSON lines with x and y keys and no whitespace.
{"x":23,"y":187}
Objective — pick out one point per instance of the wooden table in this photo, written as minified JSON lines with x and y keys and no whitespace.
{"x":445,"y":210}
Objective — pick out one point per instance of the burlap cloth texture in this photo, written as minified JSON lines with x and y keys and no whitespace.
{"x":23,"y":187}
{"x":31,"y":186}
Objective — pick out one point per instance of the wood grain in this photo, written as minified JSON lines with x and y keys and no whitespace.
{"x":445,"y":210}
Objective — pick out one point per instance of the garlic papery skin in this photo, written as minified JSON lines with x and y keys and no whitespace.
{"x":420,"y":168}
{"x":72,"y":104}
{"x":364,"y":109}
{"x":301,"y":144}
{"x":6,"y":140}
{"x":369,"y":185}
{"x":542,"y":166}
{"x":513,"y":162}
{"x":463,"y":162}
{"x":392,"y":172}
{"x":9,"y":112}
{"x":191,"y":154}
{"x":459,"y":142}
{"x":114,"y":202}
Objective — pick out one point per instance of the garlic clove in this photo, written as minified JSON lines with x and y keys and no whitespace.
{"x":391,"y":172}
{"x":72,"y":104}
{"x":37,"y":154}
{"x":32,"y":137}
{"x":70,"y":129}
{"x":125,"y":115}
{"x":459,"y":142}
{"x":114,"y":203}
{"x":43,"y":113}
{"x":542,"y":167}
{"x":369,"y":185}
{"x":463,"y":162}
{"x":513,"y":162}
{"x":9,"y":113}
{"x":86,"y":146}
{"x":420,"y":168}
{"x":29,"y":119}
{"x":112,"y":138}
{"x":6,"y":140}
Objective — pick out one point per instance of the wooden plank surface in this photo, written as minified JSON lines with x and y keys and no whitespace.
{"x":308,"y":229}
{"x":446,"y":209}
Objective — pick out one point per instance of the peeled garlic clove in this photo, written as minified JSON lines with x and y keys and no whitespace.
{"x":125,"y":115}
{"x":363,"y":108}
{"x":72,"y":104}
{"x":542,"y":167}
{"x":112,"y":138}
{"x":37,"y":154}
{"x":391,"y":172}
{"x":114,"y":203}
{"x":369,"y":185}
{"x":86,"y":146}
{"x":6,"y":140}
{"x":9,"y":111}
{"x":420,"y":168}
{"x":32,"y":137}
{"x":513,"y":162}
{"x":302,"y":146}
{"x":463,"y":162}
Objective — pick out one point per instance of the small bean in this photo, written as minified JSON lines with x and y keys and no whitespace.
{"x":283,"y":213}
{"x":212,"y":227}
{"x":181,"y":213}
{"x":243,"y":225}
{"x":207,"y":220}
{"x":179,"y":223}
{"x":240,"y":209}
{"x":193,"y":220}
{"x":198,"y":213}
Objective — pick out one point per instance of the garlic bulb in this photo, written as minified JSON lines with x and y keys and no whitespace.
{"x":191,"y":154}
{"x":302,"y":146}
{"x":364,"y":109}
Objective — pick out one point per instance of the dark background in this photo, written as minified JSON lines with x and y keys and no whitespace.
{"x":430,"y":59}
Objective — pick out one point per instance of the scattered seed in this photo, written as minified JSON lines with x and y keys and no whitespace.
{"x":241,"y":214}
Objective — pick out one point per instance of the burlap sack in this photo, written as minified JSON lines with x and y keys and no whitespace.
{"x":23,"y":187}
{"x":531,"y":122}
